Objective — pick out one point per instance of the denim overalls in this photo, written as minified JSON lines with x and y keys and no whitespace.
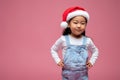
{"x":75,"y":60}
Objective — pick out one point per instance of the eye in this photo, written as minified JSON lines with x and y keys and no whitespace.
{"x":75,"y":22}
{"x":83,"y":23}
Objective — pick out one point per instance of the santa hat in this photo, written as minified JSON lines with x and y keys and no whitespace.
{"x":72,"y":12}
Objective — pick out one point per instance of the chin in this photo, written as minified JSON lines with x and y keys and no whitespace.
{"x":79,"y":34}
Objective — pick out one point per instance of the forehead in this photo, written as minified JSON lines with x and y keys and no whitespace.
{"x":79,"y":18}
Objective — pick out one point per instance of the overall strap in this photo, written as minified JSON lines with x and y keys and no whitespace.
{"x":67,"y":40}
{"x":84,"y":40}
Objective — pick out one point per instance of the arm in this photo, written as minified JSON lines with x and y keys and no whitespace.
{"x":55,"y":48}
{"x":94,"y":50}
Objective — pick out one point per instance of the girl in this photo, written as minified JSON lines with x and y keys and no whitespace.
{"x":75,"y":46}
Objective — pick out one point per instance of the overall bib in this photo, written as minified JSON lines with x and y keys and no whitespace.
{"x":75,"y":60}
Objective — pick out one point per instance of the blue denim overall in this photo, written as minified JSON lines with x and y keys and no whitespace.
{"x":75,"y":60}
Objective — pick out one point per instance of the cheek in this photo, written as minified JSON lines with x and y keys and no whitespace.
{"x":71,"y":27}
{"x":83,"y":28}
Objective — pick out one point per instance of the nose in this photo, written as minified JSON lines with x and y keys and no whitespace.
{"x":78,"y":25}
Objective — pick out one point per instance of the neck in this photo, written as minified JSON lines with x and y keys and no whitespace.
{"x":76,"y":36}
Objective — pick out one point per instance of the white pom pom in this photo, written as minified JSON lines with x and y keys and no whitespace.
{"x":64,"y":24}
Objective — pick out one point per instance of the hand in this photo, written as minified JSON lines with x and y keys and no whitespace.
{"x":61,"y":64}
{"x":89,"y":65}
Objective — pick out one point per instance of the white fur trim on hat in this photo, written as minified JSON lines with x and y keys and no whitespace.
{"x":64,"y":24}
{"x":77,"y":13}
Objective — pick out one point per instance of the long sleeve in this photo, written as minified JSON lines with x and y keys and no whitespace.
{"x":94,"y":50}
{"x":55,"y":48}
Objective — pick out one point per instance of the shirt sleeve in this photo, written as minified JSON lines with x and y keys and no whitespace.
{"x":94,"y":50}
{"x":55,"y":48}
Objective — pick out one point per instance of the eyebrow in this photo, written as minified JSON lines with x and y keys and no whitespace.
{"x":80,"y":21}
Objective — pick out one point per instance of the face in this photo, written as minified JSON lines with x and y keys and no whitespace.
{"x":77,"y":26}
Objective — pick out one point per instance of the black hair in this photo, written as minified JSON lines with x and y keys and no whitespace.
{"x":67,"y":30}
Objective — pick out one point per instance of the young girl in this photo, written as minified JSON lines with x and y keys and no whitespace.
{"x":75,"y":45}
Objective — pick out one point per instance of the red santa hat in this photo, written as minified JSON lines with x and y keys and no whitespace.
{"x":72,"y":12}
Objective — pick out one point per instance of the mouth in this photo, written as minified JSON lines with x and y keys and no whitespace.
{"x":78,"y":30}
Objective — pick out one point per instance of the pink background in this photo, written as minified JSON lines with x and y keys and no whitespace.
{"x":28,"y":28}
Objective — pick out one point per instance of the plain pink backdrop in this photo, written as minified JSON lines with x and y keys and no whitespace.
{"x":28,"y":29}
